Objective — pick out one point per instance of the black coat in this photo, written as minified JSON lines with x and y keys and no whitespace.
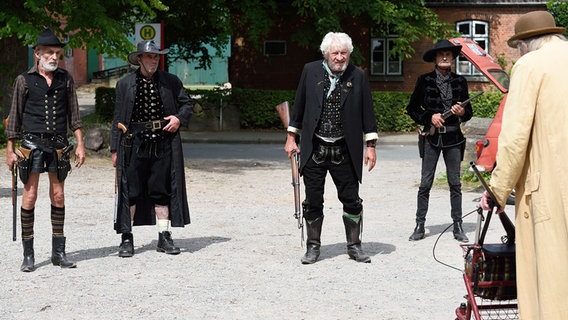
{"x":176,"y":102}
{"x":426,"y":101}
{"x":357,"y":114}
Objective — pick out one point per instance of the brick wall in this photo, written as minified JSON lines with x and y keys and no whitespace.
{"x":250,"y":69}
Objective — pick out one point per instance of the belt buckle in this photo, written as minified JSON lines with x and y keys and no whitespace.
{"x":442,"y":129}
{"x":156,"y":124}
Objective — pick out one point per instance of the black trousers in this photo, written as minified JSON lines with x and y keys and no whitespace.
{"x":333,"y":158}
{"x":452,"y":159}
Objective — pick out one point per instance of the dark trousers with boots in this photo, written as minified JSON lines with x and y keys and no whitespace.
{"x":452,"y":159}
{"x":332,"y":158}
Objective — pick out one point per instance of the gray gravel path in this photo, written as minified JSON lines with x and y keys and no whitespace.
{"x":240,"y":256}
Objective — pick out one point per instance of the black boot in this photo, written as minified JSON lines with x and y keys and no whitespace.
{"x":353,"y":231}
{"x":166,"y":244}
{"x":29,"y":260}
{"x":58,"y":256}
{"x":418,"y":233}
{"x":458,"y":232}
{"x":313,"y":244}
{"x":126,"y":248}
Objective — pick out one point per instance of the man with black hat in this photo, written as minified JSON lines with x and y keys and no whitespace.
{"x":151,"y":106}
{"x":531,"y":160}
{"x":44,"y":106}
{"x":437,"y":92}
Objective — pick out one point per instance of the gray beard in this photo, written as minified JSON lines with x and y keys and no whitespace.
{"x":47,"y":66}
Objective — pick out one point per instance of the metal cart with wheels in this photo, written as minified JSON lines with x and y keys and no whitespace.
{"x":489,"y":274}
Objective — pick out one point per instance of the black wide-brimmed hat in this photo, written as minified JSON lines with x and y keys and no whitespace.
{"x":440,"y":46}
{"x":48,"y":38}
{"x":148,"y":46}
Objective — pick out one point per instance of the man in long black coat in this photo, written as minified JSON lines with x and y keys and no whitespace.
{"x":146,"y":149}
{"x":333,"y":113}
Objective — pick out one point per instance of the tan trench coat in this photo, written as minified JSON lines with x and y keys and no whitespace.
{"x":533,"y":158}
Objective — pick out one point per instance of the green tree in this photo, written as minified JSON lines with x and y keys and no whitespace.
{"x":409,"y":19}
{"x":102,"y":25}
{"x":559,"y":9}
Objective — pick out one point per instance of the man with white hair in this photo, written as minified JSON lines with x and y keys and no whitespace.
{"x":333,"y":112}
{"x":530,"y":159}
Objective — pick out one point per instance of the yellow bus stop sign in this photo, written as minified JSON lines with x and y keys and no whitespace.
{"x":148,"y":31}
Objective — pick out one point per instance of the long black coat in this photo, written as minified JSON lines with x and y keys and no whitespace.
{"x":176,"y":102}
{"x":426,"y":101}
{"x":357,"y":114}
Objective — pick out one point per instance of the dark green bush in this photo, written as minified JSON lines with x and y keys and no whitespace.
{"x":258,"y":107}
{"x":390,"y":110}
{"x":486,"y":105}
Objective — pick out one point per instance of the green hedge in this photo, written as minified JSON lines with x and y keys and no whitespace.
{"x":257,"y":107}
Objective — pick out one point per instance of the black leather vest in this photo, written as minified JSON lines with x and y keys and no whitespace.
{"x":46,"y":107}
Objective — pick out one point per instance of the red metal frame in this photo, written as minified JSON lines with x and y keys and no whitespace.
{"x":487,"y":65}
{"x":476,"y":307}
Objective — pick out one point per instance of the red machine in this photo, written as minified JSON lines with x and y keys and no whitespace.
{"x":486,"y":149}
{"x":489,"y":274}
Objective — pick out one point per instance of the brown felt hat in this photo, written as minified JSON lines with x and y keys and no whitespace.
{"x":440,"y":46}
{"x":533,"y":24}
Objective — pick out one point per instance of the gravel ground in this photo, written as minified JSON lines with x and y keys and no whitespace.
{"x":241,"y":255}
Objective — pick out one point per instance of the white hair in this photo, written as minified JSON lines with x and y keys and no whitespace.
{"x":537,"y":42}
{"x":337,"y":40}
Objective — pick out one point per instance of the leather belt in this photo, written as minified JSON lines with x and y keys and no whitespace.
{"x":322,"y":142}
{"x":148,"y":125}
{"x":448,"y":129}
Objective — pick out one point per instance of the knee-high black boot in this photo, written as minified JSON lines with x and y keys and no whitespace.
{"x":29,"y":260}
{"x":353,"y":232}
{"x":58,"y":256}
{"x":313,"y":244}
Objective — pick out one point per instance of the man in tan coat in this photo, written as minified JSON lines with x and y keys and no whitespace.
{"x":531,"y":158}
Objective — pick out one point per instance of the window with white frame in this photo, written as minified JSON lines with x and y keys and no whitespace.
{"x":382,"y":62}
{"x":478,"y":31}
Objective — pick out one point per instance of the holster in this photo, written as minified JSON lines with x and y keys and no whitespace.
{"x":127,"y":147}
{"x":421,"y":142}
{"x":63,"y":162}
{"x":24,"y":163}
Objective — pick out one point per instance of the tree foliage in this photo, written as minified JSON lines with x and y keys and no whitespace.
{"x":409,"y":19}
{"x":559,"y":9}
{"x":193,"y":26}
{"x":94,"y":24}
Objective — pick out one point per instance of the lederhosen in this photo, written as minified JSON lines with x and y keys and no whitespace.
{"x":149,"y":167}
{"x":44,"y":145}
{"x":330,"y":155}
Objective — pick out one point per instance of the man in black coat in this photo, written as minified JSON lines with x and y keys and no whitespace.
{"x":333,"y":113}
{"x":151,"y":106}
